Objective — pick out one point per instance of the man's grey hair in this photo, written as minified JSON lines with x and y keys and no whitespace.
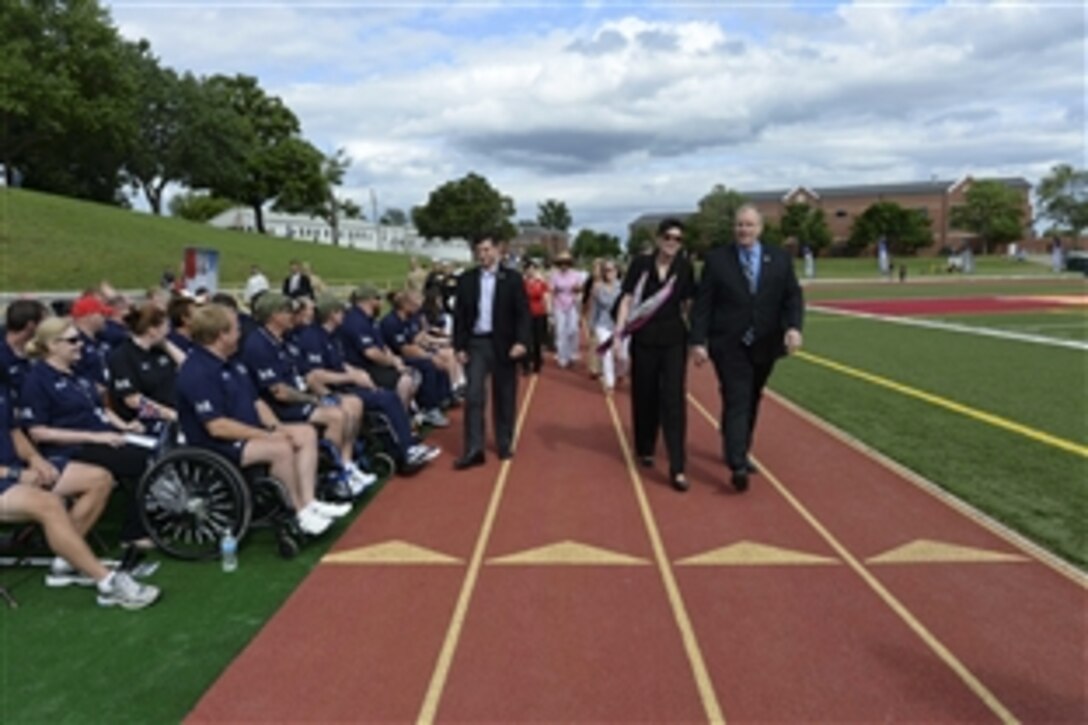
{"x":749,"y":207}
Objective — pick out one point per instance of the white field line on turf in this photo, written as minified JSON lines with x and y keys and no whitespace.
{"x":953,"y":327}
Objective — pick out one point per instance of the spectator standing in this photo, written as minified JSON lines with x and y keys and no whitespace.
{"x":256,"y":284}
{"x":297,"y":283}
{"x":565,"y":288}
{"x":536,"y":290}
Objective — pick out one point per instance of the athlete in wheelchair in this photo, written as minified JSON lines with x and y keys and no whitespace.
{"x":194,"y":494}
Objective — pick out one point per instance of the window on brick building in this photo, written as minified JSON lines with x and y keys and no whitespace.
{"x":842,"y":213}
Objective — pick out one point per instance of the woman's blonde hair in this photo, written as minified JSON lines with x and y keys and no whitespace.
{"x":47,"y":331}
{"x":209,"y":322}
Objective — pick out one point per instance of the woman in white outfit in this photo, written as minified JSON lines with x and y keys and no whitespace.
{"x":605,"y":293}
{"x":566,"y":287}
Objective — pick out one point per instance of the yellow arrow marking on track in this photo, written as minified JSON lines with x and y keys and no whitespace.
{"x":569,"y":553}
{"x":390,"y":552}
{"x":925,"y":551}
{"x":751,"y":553}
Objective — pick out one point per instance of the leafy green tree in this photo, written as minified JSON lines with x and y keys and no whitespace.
{"x":464,"y":208}
{"x":198,"y":206}
{"x":274,"y":163}
{"x":553,"y":214}
{"x":806,"y":225}
{"x":394,"y":217}
{"x":590,"y":244}
{"x":772,"y":233}
{"x":993,"y":211}
{"x":904,"y":230}
{"x":712,"y":225}
{"x":65,"y":87}
{"x":641,"y":238}
{"x":1063,"y":198}
{"x":320,"y":200}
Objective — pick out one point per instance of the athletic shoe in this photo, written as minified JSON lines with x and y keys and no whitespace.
{"x":436,"y":418}
{"x":358,"y":480}
{"x":122,"y":590}
{"x":421,"y":453}
{"x":311,"y":523}
{"x":331,"y":510}
{"x":63,"y":574}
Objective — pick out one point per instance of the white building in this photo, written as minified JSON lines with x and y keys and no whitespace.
{"x":354,"y":234}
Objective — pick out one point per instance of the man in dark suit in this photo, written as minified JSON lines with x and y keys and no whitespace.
{"x":297,"y":283}
{"x":490,"y":333}
{"x":748,"y":312}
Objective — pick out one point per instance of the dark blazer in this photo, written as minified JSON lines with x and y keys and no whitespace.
{"x":724,"y":308}
{"x":510,"y":323}
{"x":305,"y":288}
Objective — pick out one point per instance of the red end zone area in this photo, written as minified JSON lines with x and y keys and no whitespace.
{"x":957,"y":305}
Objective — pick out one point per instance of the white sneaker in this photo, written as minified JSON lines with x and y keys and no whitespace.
{"x":63,"y":574}
{"x":122,"y":590}
{"x":331,"y":510}
{"x":311,"y":522}
{"x":436,"y":418}
{"x":358,"y":479}
{"x":420,"y":453}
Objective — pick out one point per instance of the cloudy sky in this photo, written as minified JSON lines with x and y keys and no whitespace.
{"x":619,"y":108}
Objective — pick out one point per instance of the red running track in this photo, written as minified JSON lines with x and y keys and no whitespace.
{"x":567,"y":586}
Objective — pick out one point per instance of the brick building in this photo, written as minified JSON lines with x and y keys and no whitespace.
{"x":843,"y":204}
{"x":529,"y":235}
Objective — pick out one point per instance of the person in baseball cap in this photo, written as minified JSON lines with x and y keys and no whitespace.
{"x":90,"y":305}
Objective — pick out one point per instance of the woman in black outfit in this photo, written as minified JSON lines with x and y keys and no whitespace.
{"x":144,"y":368}
{"x":659,"y":349}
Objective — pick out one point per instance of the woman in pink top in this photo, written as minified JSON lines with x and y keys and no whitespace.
{"x":566,"y":288}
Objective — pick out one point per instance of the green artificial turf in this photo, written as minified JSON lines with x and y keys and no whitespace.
{"x":53,"y":243}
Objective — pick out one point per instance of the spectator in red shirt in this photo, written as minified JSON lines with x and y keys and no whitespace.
{"x":536,"y":289}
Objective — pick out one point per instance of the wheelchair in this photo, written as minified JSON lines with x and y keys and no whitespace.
{"x":377,"y":442}
{"x":190,"y":497}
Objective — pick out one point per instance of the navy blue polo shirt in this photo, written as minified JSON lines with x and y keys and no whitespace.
{"x":113,"y":334}
{"x":209,"y":387}
{"x":57,"y":399}
{"x":270,"y":364}
{"x":318,"y":349}
{"x":13,"y":370}
{"x":397,"y":332}
{"x":92,"y":359}
{"x":183,"y":343}
{"x":7,"y":425}
{"x":358,"y":333}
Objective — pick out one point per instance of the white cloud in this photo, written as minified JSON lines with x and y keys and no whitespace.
{"x":619,"y":114}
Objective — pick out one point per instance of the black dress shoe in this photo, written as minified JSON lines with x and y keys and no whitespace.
{"x":646,"y":461}
{"x":740,"y":481}
{"x":469,"y":460}
{"x":680,"y":482}
{"x":505,"y":454}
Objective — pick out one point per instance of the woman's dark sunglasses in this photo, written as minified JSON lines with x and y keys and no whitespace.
{"x":71,"y":339}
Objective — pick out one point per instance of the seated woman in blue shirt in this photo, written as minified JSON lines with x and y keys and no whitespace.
{"x":30,"y":490}
{"x":65,"y":418}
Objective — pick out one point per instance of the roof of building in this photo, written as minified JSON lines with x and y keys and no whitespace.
{"x":935,"y":186}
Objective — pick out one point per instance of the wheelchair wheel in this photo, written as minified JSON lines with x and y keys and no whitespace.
{"x":382,"y":465}
{"x":189,"y":498}
{"x":287,"y":545}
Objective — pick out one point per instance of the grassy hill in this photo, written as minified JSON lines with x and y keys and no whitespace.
{"x":55,"y":243}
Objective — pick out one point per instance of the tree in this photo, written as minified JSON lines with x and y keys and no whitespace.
{"x":805,"y":225}
{"x":199,"y":207}
{"x":1063,"y":197}
{"x":275,"y":163}
{"x":318,"y":198}
{"x":65,"y":88}
{"x":394,"y":217}
{"x":465,"y":208}
{"x":641,"y":238}
{"x":712,"y":225}
{"x":590,"y":244}
{"x":553,"y":214}
{"x":904,"y":230}
{"x":992,"y":211}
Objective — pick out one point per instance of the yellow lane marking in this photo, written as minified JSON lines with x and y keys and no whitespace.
{"x":752,"y":553}
{"x":687,"y":633}
{"x":569,"y":553}
{"x":925,"y":551}
{"x":943,"y":653}
{"x":1035,"y":551}
{"x":973,"y":413}
{"x":390,"y":552}
{"x":460,"y":610}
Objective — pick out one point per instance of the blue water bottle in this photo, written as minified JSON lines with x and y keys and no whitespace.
{"x":228,"y":551}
